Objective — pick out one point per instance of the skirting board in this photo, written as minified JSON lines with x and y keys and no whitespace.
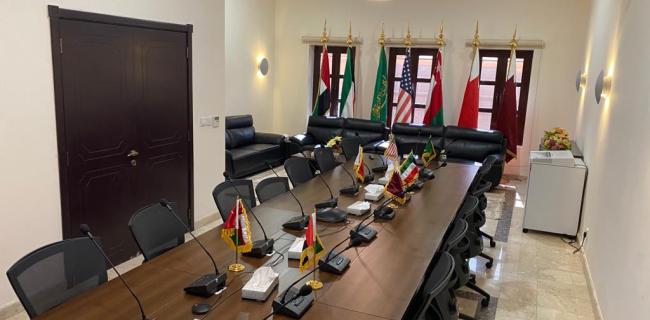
{"x":591,"y":284}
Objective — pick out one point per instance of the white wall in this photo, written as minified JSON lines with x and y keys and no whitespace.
{"x":250,"y":35}
{"x":614,"y":136}
{"x":29,"y":188}
{"x":561,"y":24}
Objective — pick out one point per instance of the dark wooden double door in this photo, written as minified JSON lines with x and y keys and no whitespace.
{"x":123,"y":112}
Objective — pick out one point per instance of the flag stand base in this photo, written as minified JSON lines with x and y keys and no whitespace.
{"x":236,"y":267}
{"x":315,"y":284}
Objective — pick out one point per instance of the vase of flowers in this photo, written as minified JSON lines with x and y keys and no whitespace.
{"x":335,"y":144}
{"x":556,"y":139}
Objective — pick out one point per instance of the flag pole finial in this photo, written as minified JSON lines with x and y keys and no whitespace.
{"x":407,"y":40}
{"x":382,"y":36}
{"x":514,"y":43}
{"x":324,"y":38}
{"x":349,"y":41}
{"x":441,"y":36}
{"x":476,"y":42}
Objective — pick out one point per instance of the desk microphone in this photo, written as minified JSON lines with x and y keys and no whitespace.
{"x":296,"y":223}
{"x":364,"y":232}
{"x":354,"y":188}
{"x":261,"y":248}
{"x":209,"y":284}
{"x":327,"y":211}
{"x":85,"y":229}
{"x":383,"y":211}
{"x":333,"y":201}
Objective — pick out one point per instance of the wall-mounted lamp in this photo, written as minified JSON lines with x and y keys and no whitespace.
{"x":581,"y":80}
{"x":262,"y":67}
{"x":603,"y":86}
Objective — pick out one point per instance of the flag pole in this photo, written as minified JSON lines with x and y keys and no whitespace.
{"x":237,"y":267}
{"x":313,"y":283}
{"x":440,"y":40}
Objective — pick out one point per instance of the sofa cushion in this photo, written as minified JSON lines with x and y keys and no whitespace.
{"x":471,"y":144}
{"x":413,"y":137}
{"x":239,"y":131}
{"x":252,"y":150}
{"x":323,"y":129}
{"x":367,"y":130}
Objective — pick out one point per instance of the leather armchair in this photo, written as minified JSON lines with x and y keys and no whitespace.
{"x":319,"y":131}
{"x":472,"y":145}
{"x":248,"y":151}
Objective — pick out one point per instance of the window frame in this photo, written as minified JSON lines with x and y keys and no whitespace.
{"x":335,"y":74}
{"x":499,"y":82}
{"x":393,"y":52}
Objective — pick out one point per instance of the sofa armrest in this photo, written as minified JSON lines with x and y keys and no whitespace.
{"x":303,"y":139}
{"x":268,"y":138}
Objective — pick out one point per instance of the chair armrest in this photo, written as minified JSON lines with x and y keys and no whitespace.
{"x":302,"y":139}
{"x":268,"y":138}
{"x":483,"y":187}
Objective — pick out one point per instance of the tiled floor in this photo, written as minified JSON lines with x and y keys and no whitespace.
{"x":535,"y":275}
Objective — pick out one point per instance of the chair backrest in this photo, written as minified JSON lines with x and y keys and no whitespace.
{"x":322,"y":129}
{"x":469,"y":206}
{"x":271,"y":187}
{"x":225,"y":195}
{"x":325,"y":159}
{"x":366,"y":130}
{"x":155,"y":230}
{"x":298,"y":170}
{"x":473,"y":144}
{"x":436,"y":283}
{"x":350,"y":147}
{"x":485,"y":168}
{"x":55,"y":273}
{"x":239,"y":131}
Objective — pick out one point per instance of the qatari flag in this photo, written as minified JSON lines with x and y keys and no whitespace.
{"x":506,"y":117}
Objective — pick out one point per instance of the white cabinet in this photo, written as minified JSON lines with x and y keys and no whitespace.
{"x":555,"y":186}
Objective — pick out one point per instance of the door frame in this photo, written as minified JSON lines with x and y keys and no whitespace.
{"x":57,"y":14}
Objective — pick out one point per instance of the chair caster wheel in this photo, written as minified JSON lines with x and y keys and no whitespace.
{"x":488,"y":265}
{"x":525,"y":230}
{"x":485,"y":302}
{"x":493,"y":244}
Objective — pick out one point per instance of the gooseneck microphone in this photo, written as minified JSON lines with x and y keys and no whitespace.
{"x":351,"y":190}
{"x":363,"y":232}
{"x":209,"y":284}
{"x":296,"y":223}
{"x":261,"y":248}
{"x":85,"y":230}
{"x":304,"y":291}
{"x":383,"y":211}
{"x":333,"y":201}
{"x":327,"y":211}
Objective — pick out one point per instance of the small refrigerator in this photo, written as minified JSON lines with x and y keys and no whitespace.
{"x":555,"y":186}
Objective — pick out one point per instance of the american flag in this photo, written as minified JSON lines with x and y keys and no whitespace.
{"x":391,"y":150}
{"x":405,"y":100}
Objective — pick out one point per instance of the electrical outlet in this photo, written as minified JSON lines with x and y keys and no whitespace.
{"x":205,"y":121}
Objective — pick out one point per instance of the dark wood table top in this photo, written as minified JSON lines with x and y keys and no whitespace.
{"x":382,"y":278}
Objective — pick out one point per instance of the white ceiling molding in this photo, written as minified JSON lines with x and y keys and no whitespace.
{"x":335,"y":41}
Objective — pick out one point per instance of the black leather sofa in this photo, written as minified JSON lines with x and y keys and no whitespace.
{"x":413,"y":137}
{"x":248,"y":151}
{"x":321,"y":129}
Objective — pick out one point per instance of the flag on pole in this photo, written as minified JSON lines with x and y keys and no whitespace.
{"x":394,"y":188}
{"x":323,"y":100}
{"x":236,"y":231}
{"x":506,"y":115}
{"x":408,"y":170}
{"x":469,"y":110}
{"x":429,"y":153}
{"x":433,"y":114}
{"x":379,"y":110}
{"x":359,"y":170}
{"x":391,"y":156}
{"x":405,"y":98}
{"x":312,"y":248}
{"x":347,"y":92}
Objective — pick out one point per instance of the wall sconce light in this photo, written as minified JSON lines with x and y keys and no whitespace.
{"x":262,"y":67}
{"x":603,"y":86}
{"x":581,"y":80}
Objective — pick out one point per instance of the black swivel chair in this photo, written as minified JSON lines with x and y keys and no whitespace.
{"x":156,"y":231}
{"x":480,"y":186}
{"x":299,"y":170}
{"x":437,"y":301}
{"x":325,"y":159}
{"x":55,"y":273}
{"x":225,"y":195}
{"x":271,"y":187}
{"x":350,"y":147}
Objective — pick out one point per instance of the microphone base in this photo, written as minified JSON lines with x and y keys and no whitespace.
{"x":207,"y":285}
{"x":380,"y":169}
{"x":350,"y":191}
{"x":384,"y":213}
{"x":294,"y":309}
{"x":337,"y":265}
{"x":365,"y":234}
{"x":368,"y":179}
{"x":331,"y":215}
{"x":296,"y":223}
{"x":417,"y":185}
{"x":261,"y":248}
{"x":331,"y":203}
{"x":427,"y":174}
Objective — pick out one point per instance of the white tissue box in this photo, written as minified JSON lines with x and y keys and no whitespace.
{"x":260,"y":285}
{"x":382,"y":180}
{"x":358,"y":208}
{"x":374,"y":192}
{"x":296,"y":249}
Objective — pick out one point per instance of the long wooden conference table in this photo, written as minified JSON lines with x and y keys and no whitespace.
{"x":382,"y":277}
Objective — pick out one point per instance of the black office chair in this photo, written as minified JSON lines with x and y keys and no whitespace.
{"x":225,"y":195}
{"x":271,"y":187}
{"x":155,"y":230}
{"x":478,"y":189}
{"x":55,"y":273}
{"x":299,"y":170}
{"x":437,"y":301}
{"x":468,"y":212}
{"x":325,"y":159}
{"x":350,"y":147}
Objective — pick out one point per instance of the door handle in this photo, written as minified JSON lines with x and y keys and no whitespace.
{"x":132,"y":154}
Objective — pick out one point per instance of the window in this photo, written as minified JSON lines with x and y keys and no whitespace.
{"x":337,"y":58}
{"x":493,"y":70}
{"x":421,"y":64}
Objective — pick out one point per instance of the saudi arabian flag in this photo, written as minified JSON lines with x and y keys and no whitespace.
{"x":429,"y":153}
{"x":379,"y":110}
{"x":409,"y":170}
{"x":347,"y":92}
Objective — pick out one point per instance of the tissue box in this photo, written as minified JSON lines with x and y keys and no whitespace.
{"x":296,"y":249}
{"x":260,"y":285}
{"x":358,"y":208}
{"x":374,"y":192}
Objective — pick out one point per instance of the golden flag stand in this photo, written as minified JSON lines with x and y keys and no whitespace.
{"x":237,"y":267}
{"x":313,"y":283}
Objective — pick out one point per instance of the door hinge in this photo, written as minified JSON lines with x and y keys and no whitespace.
{"x":61,"y":45}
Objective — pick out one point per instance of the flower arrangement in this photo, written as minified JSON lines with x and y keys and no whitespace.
{"x":335,"y":144}
{"x":556,"y":139}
